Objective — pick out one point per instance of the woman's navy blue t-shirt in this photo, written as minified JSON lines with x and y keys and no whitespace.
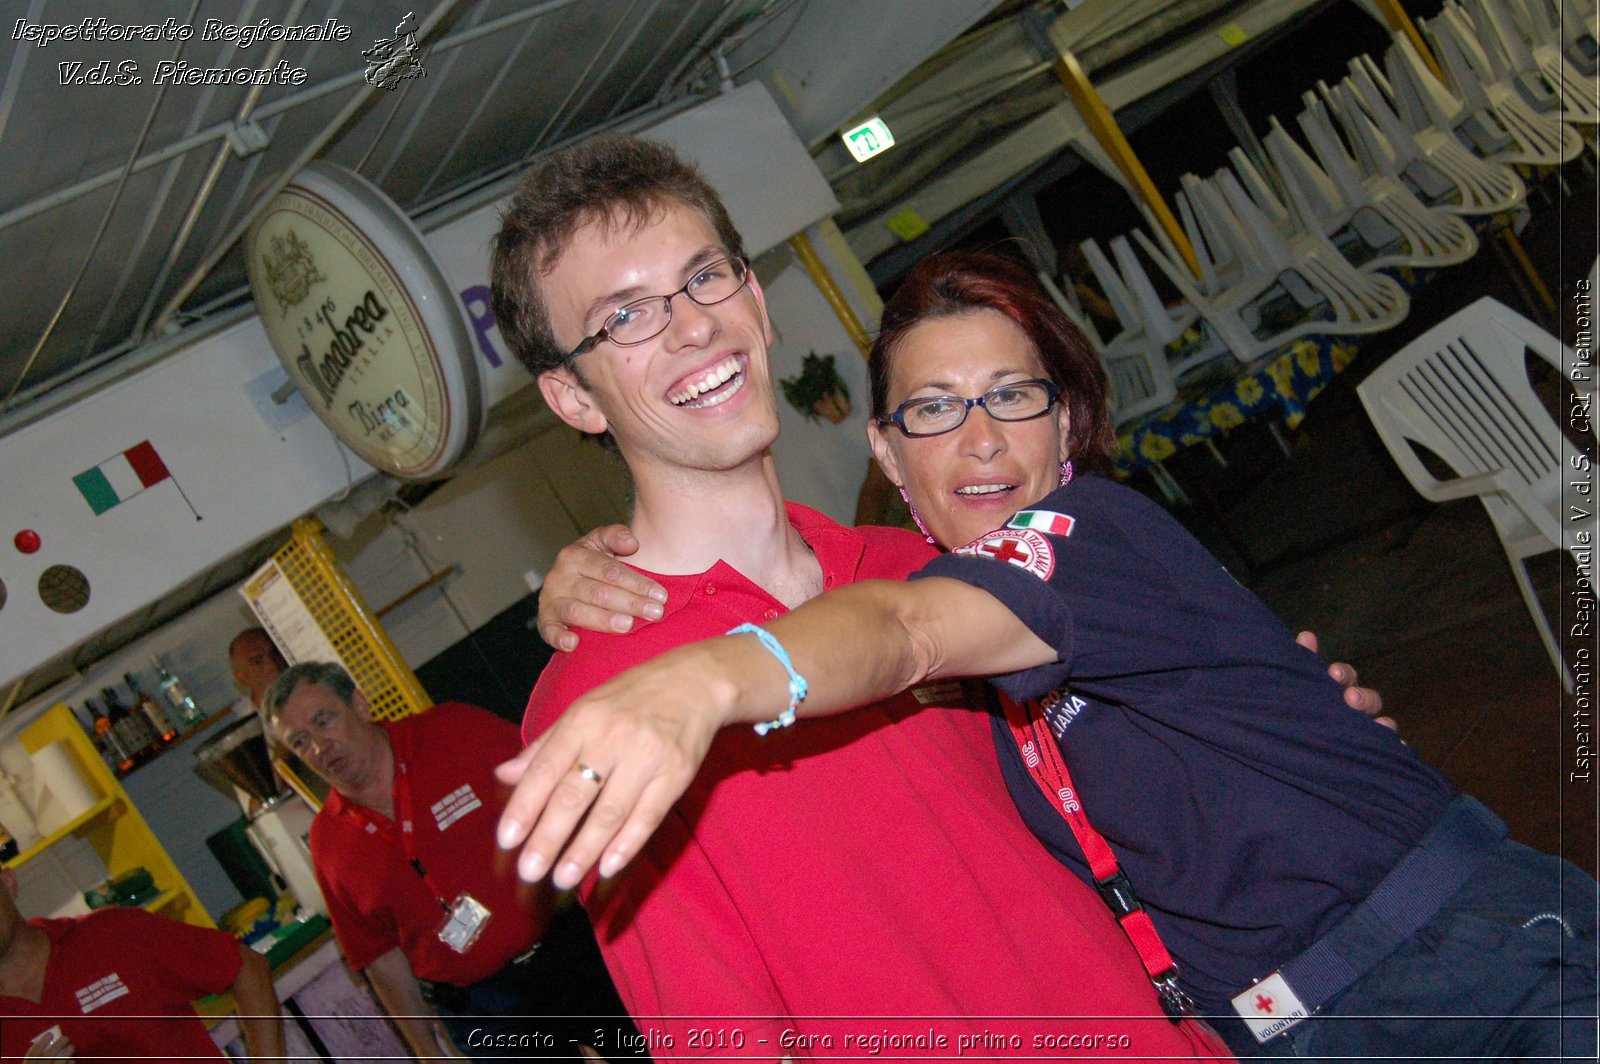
{"x":1248,"y":804}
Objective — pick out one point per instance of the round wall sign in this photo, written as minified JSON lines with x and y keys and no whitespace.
{"x":363,"y":319}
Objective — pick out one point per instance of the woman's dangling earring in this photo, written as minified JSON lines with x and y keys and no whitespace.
{"x":1066,"y":473}
{"x":918,"y":518}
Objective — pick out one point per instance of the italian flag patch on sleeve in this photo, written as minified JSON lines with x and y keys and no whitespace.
{"x":1047,"y":521}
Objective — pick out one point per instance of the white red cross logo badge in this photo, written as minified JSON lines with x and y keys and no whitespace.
{"x":1022,"y":547}
{"x":1270,"y":1007}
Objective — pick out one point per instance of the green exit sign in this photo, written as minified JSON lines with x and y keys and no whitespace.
{"x":870,"y":138}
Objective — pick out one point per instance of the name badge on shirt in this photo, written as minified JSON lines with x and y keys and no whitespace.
{"x":1270,"y":1008}
{"x":465,"y":922}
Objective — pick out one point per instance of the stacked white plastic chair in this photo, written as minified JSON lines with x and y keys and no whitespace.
{"x":1213,"y":247}
{"x":1135,"y":363}
{"x":1524,"y":51}
{"x":1171,"y":327}
{"x":1398,"y":229}
{"x":1487,"y":112}
{"x":1427,"y":159}
{"x":1461,"y":390}
{"x":1305,"y":269}
{"x":1576,"y":27}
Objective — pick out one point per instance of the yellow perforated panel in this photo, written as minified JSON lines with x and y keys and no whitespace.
{"x":363,"y":646}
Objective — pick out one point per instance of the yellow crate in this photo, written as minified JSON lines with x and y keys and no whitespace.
{"x":354,"y":630}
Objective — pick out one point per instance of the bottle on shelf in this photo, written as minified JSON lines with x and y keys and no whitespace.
{"x":177,"y":695}
{"x":151,"y":711}
{"x":109,"y":742}
{"x":136,"y":736}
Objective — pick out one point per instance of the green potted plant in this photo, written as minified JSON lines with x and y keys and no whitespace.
{"x":818,"y":391}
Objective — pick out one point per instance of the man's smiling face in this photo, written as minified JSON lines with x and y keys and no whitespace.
{"x":699,"y":395}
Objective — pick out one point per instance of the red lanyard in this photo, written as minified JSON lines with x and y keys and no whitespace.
{"x":404,"y":837}
{"x":1042,"y":756}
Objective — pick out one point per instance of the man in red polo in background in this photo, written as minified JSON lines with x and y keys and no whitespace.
{"x":420,"y":898}
{"x":117,"y":985}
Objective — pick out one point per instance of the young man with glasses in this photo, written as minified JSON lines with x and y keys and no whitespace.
{"x":861,"y":886}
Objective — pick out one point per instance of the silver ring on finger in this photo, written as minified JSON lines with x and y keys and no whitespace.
{"x":590,"y":774}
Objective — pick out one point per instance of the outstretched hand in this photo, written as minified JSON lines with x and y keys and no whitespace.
{"x":589,"y":588}
{"x":1361,"y":699}
{"x":608,"y":771}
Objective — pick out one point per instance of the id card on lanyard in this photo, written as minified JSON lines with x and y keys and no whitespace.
{"x":466,"y":916}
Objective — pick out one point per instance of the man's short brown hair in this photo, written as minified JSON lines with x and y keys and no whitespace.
{"x":608,"y":180}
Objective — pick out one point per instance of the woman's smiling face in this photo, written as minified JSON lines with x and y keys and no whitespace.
{"x":974,"y":478}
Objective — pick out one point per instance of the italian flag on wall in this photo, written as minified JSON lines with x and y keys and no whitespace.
{"x":121,"y":478}
{"x":1047,"y":521}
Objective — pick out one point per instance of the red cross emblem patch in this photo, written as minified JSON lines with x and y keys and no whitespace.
{"x":1022,"y":547}
{"x":1270,"y":1007}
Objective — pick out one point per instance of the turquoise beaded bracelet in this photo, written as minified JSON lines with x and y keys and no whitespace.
{"x":797,"y":683}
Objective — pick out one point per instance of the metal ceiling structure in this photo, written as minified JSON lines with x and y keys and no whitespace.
{"x":137,"y":189}
{"x":137,"y":143}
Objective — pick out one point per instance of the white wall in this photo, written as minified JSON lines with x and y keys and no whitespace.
{"x":493,"y":524}
{"x":819,"y":464}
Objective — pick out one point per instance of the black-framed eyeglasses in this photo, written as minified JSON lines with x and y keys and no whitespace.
{"x":934,"y":415}
{"x":644,"y":319}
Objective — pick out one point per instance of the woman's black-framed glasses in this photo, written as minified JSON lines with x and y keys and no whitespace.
{"x":645,"y":319}
{"x":934,"y":415}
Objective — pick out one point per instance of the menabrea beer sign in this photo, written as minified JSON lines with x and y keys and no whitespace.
{"x":361,"y":316}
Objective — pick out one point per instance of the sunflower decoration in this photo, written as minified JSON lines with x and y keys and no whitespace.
{"x":1249,"y":391}
{"x":1225,"y":416}
{"x":1157,"y":448}
{"x":1309,"y":357}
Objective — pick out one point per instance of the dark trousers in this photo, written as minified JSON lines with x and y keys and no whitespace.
{"x":544,"y":1007}
{"x":1506,"y":970}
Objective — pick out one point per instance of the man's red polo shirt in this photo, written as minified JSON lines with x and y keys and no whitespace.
{"x":377,"y":900}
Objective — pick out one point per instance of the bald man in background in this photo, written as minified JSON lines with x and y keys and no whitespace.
{"x":255,"y":661}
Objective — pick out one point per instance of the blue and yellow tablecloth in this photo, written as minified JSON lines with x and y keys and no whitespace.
{"x":1277,"y":385}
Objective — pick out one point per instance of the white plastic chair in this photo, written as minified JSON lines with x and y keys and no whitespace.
{"x":1500,"y":126}
{"x":1170,"y":327}
{"x":1535,"y":65}
{"x":1135,"y":364}
{"x":1213,"y":248}
{"x":1431,"y":239}
{"x":1461,"y":390}
{"x":1305,"y":277}
{"x":1568,"y":24}
{"x":1264,"y":193}
{"x":1578,"y":30}
{"x":1111,"y":283}
{"x":1140,"y":381}
{"x":1429,"y":161}
{"x":1069,"y":304}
